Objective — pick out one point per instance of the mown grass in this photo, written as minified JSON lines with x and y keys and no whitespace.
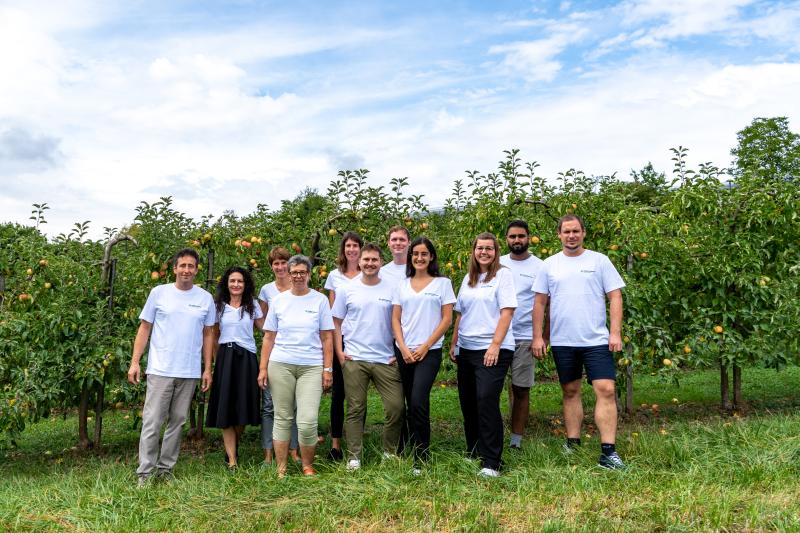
{"x":692,"y":467}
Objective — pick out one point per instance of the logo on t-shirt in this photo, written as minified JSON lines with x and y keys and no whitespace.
{"x":431,"y":294}
{"x":526,"y":275}
{"x":195,"y":306}
{"x":312,"y":311}
{"x":587,"y":271}
{"x":384,"y":300}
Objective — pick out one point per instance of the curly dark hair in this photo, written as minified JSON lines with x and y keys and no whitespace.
{"x":224,"y":296}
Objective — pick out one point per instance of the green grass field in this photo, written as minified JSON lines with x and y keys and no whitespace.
{"x":692,"y":467}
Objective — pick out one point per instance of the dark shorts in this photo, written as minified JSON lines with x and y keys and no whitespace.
{"x":571,"y":360}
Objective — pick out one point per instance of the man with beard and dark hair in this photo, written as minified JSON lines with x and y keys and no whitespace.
{"x":525,"y":268}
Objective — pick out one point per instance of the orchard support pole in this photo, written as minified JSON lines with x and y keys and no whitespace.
{"x":101,"y":387}
{"x":724,"y":386}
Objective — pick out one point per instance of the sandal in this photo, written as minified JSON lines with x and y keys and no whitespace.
{"x":309,"y":471}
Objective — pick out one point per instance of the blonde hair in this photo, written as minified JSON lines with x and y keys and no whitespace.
{"x":475,"y":268}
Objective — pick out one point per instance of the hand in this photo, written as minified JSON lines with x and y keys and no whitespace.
{"x":453,"y":353}
{"x":262,"y":378}
{"x":538,"y":347}
{"x":206,"y":381}
{"x":420,"y":353}
{"x":134,"y":374}
{"x":491,"y":355}
{"x":408,"y":356}
{"x":392,"y":361}
{"x":615,"y":342}
{"x":327,"y":380}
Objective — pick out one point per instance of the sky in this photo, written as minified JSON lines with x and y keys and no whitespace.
{"x":226,"y":105}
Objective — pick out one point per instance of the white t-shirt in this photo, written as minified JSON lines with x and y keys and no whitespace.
{"x":235,"y":326}
{"x":268,"y":292}
{"x":422,"y":311}
{"x":178,"y":318}
{"x":366,"y":311}
{"x":525,"y":272}
{"x":336,"y":278}
{"x":393,"y":273}
{"x":480,"y":310}
{"x":298,"y":321}
{"x":577,"y":287}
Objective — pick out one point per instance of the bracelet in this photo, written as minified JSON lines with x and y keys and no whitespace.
{"x":328,"y":369}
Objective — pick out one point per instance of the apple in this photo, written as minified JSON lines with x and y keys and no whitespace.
{"x":47,"y":285}
{"x":687,"y":350}
{"x":332,"y":232}
{"x":534,"y":239}
{"x":614,"y":247}
{"x":718,"y":329}
{"x":42,"y":262}
{"x":246,"y":244}
{"x":29,"y":272}
{"x":296,"y":248}
{"x":667,"y":362}
{"x":154,"y":275}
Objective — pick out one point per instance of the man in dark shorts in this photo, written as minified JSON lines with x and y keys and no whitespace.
{"x":577,"y":282}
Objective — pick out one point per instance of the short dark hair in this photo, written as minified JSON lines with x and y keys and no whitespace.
{"x":341,"y":260}
{"x":518,"y":224}
{"x":371,"y":247}
{"x":567,"y":218}
{"x":278,"y":253}
{"x":183,"y":253}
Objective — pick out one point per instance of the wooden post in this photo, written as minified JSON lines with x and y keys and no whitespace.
{"x":724,"y":386}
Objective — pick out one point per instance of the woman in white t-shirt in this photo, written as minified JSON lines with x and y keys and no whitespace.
{"x":346,"y":270}
{"x":422,"y":311}
{"x":278,"y":261}
{"x":233,"y":402}
{"x":482,"y":333}
{"x":296,"y":360}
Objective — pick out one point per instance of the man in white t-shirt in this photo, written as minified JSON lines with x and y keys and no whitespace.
{"x":363,"y":308}
{"x":397,"y":239}
{"x":525,"y":268}
{"x":181,"y":317}
{"x":578,"y":282}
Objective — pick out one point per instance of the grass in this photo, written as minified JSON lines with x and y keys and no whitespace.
{"x":692,"y":467}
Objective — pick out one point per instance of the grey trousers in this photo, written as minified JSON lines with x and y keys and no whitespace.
{"x":165,"y":400}
{"x":357,"y":375}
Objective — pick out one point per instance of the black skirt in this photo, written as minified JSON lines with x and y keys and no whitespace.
{"x":234,"y":399}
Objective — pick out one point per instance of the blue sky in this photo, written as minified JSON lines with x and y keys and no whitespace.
{"x":225,"y":105}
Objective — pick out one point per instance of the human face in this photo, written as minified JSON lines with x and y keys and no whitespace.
{"x":571,"y":236}
{"x":398,"y":244}
{"x":420,"y":258}
{"x":517,"y":240}
{"x":370,"y":263}
{"x":185,"y":270}
{"x":280,"y":268}
{"x":484,"y":253}
{"x":351,"y":251}
{"x":299,"y":276}
{"x":236,"y":284}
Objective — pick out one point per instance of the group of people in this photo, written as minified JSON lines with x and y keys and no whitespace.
{"x":385,"y":325}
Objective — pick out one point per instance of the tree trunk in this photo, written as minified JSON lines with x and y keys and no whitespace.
{"x":83,"y":412}
{"x":737,"y":387}
{"x":629,"y":389}
{"x":724,"y":386}
{"x":98,"y":413}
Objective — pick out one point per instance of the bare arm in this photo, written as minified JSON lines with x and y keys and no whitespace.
{"x":326,"y":336}
{"x":139,"y":344}
{"x":210,"y":336}
{"x":539,"y":346}
{"x":454,"y":339}
{"x":615,"y":329}
{"x":266,"y":351}
{"x":338,"y":343}
{"x":331,"y":297}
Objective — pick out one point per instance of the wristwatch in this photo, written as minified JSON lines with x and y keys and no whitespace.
{"x":328,"y":369}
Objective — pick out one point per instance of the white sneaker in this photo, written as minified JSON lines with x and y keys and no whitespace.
{"x":389,"y":455}
{"x":353,"y":464}
{"x":416,"y":472}
{"x":488,"y":472}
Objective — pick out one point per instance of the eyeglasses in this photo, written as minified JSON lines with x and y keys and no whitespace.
{"x":299,"y":273}
{"x":484,"y":248}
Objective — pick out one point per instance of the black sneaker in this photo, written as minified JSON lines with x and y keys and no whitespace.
{"x":335,"y":454}
{"x":611,"y":461}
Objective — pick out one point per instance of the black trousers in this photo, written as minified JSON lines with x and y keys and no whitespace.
{"x":479,"y":389}
{"x":418,"y":381}
{"x":337,"y":400}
